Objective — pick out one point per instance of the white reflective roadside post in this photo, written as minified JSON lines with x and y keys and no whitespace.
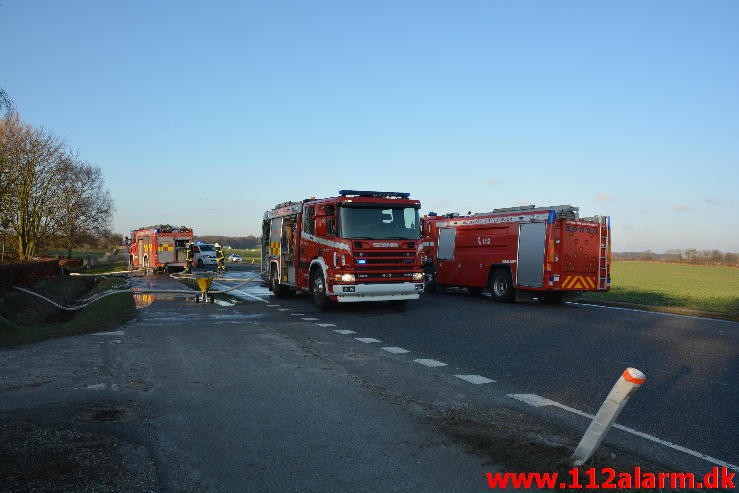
{"x":630,"y":380}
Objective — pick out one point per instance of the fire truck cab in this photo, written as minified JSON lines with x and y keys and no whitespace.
{"x":518,"y":253}
{"x":359,"y":246}
{"x":159,"y":248}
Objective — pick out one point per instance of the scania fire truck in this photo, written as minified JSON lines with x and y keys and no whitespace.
{"x":359,"y":246}
{"x":159,"y":248}
{"x":519,"y":253}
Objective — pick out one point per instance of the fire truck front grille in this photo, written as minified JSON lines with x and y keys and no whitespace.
{"x":384,"y":266}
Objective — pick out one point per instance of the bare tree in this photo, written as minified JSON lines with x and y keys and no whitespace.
{"x":46,"y":191}
{"x":35,"y":168}
{"x":88,"y":204}
{"x":5,"y":101}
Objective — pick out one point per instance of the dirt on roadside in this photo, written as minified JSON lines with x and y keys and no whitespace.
{"x":517,"y":442}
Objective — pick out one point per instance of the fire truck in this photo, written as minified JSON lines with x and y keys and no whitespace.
{"x":159,"y":248}
{"x":518,"y":253}
{"x":359,"y":246}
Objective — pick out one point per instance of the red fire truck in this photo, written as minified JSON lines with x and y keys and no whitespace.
{"x":360,"y":246}
{"x":519,"y":253}
{"x":159,"y":248}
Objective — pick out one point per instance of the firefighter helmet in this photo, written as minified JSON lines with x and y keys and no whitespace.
{"x":217,"y":245}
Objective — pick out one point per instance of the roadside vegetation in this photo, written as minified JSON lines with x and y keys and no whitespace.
{"x":25,"y":319}
{"x":705,"y":288}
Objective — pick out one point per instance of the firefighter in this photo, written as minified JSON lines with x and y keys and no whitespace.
{"x":188,"y":257}
{"x":220,"y":258}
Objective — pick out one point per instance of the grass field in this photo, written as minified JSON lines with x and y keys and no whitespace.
{"x":697,"y":287}
{"x":56,"y":252}
{"x":249,"y":255}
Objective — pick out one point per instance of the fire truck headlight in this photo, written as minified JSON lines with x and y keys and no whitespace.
{"x":344,"y":277}
{"x":418,"y":276}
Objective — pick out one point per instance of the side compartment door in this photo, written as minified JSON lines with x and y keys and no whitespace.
{"x":287,"y":251}
{"x":142,"y":250}
{"x":530,"y":271}
{"x":445,"y":266}
{"x":275,"y":240}
{"x":165,"y":250}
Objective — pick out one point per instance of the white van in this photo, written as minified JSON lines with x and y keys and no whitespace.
{"x":205,"y":254}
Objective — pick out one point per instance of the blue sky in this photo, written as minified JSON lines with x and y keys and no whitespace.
{"x":208,"y":113}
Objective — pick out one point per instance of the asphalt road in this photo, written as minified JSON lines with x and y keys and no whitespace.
{"x":210,"y":397}
{"x":256,"y":393}
{"x":572,"y":354}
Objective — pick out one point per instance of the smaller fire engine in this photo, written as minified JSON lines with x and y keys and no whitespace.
{"x":360,"y":246}
{"x":519,"y":253}
{"x":159,"y":248}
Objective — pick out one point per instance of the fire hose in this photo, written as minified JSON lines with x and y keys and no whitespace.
{"x":133,"y":291}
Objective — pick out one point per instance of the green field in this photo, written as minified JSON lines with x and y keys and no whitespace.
{"x":56,"y":252}
{"x":697,"y":287}
{"x":251,"y":255}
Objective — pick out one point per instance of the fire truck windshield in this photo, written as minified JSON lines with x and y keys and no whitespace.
{"x":379,"y":222}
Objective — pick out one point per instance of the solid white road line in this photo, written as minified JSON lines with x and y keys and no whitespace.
{"x":538,"y":401}
{"x":395,"y":350}
{"x":367,"y":340}
{"x":112,"y":333}
{"x":432,"y":363}
{"x":476,"y":379}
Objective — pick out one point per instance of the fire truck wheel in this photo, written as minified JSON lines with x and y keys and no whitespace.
{"x":501,"y":286}
{"x":318,"y":284}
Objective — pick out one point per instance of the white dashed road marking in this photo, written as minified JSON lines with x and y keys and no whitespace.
{"x":297,"y":314}
{"x":101,"y":386}
{"x":273,"y":305}
{"x":476,"y":379}
{"x":432,"y":363}
{"x":284,"y":309}
{"x":396,"y":350}
{"x":309,"y":319}
{"x":111,"y":333}
{"x":367,"y":340}
{"x":345,"y":332}
{"x":326,"y":325}
{"x":538,"y":401}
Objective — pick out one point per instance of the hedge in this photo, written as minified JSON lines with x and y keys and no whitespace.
{"x":26,"y":273}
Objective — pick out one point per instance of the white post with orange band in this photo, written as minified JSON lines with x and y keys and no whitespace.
{"x":630,"y":380}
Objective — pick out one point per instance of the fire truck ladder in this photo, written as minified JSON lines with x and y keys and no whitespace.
{"x":603,"y":238}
